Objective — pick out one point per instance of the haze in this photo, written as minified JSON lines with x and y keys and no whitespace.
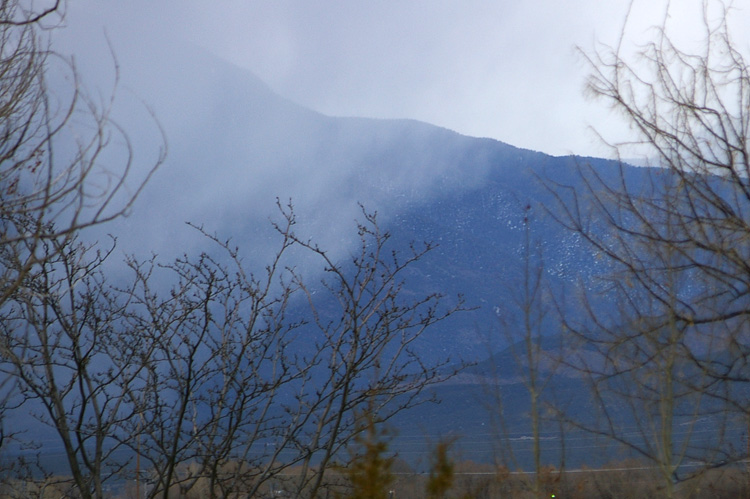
{"x":506,"y":70}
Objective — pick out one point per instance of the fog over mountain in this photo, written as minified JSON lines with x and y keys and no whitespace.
{"x":235,"y":145}
{"x":239,"y":148}
{"x":545,"y":313}
{"x":464,"y":65}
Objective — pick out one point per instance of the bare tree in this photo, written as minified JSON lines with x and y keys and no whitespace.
{"x":674,"y":347}
{"x":67,"y":365}
{"x":54,"y":183}
{"x":210,"y":402}
{"x":530,"y":327}
{"x":244,"y":376}
{"x":53,"y":178}
{"x":368,"y":344}
{"x":208,"y":384}
{"x":648,"y":395}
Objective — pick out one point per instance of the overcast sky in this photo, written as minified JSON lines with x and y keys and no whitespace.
{"x":502,"y":69}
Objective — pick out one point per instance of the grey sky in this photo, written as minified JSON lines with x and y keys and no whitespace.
{"x":502,"y":69}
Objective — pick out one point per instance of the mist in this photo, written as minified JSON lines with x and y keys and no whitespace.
{"x":245,"y":95}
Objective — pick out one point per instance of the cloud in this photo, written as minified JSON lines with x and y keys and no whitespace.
{"x":504,"y":70}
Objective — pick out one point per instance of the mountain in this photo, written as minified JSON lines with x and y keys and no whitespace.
{"x":236,"y":147}
{"x":233,"y":153}
{"x":239,"y":147}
